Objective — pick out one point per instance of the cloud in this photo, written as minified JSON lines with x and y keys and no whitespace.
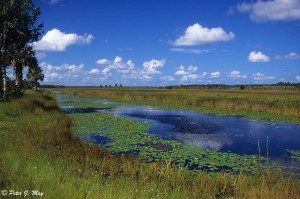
{"x":271,"y":10}
{"x":128,"y":69}
{"x":57,"y":41}
{"x":185,"y":71}
{"x":236,"y":75}
{"x":72,"y":74}
{"x":191,"y":51}
{"x":187,"y":74}
{"x":298,"y":78}
{"x":260,"y":77}
{"x":95,"y":71}
{"x":152,"y":67}
{"x":62,"y":73}
{"x":40,"y":55}
{"x":118,"y":64}
{"x":258,"y":57}
{"x":102,"y":61}
{"x":216,"y":74}
{"x":199,"y":35}
{"x":190,"y":74}
{"x":167,"y":78}
{"x":288,"y":56}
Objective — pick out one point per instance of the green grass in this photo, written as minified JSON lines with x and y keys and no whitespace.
{"x":275,"y":105}
{"x":39,"y":152}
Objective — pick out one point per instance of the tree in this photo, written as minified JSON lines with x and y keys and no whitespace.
{"x":24,"y":57}
{"x":18,"y":28}
{"x":35,"y":72}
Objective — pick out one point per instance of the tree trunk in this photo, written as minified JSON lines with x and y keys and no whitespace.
{"x":1,"y":81}
{"x":4,"y":81}
{"x":18,"y":74}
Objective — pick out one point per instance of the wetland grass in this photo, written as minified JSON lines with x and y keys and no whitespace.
{"x":38,"y":151}
{"x":271,"y":105}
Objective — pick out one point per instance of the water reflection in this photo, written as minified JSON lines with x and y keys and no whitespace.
{"x":238,"y":135}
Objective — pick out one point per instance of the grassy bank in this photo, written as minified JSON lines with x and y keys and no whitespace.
{"x":39,"y":152}
{"x":274,"y":105}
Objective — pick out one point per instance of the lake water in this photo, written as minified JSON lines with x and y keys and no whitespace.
{"x":222,"y":133}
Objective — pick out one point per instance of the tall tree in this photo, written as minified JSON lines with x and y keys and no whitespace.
{"x":21,"y":58}
{"x":18,"y":28}
{"x":35,"y":72}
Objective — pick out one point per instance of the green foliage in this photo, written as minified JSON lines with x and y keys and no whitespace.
{"x":18,"y":29}
{"x":38,"y":152}
{"x":12,"y":91}
{"x":295,"y":154}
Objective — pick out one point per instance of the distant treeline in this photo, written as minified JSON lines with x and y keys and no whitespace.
{"x":280,"y":85}
{"x":51,"y":86}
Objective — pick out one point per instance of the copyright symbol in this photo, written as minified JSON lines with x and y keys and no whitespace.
{"x":4,"y":193}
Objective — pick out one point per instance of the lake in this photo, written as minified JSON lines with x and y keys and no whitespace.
{"x":221,"y":133}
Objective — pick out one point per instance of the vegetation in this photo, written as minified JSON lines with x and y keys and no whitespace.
{"x":272,"y":105}
{"x":295,"y":154}
{"x":127,"y":136}
{"x":18,"y":29}
{"x":36,"y":154}
{"x":277,"y":86}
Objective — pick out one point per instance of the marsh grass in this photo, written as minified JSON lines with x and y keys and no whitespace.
{"x":272,"y":105}
{"x":38,"y":151}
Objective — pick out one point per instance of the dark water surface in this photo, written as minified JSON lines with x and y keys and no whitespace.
{"x":222,"y":133}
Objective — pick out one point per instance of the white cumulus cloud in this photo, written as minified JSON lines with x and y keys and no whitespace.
{"x":298,"y":78}
{"x":271,"y":10}
{"x":57,"y":41}
{"x":236,"y":75}
{"x":95,"y":71}
{"x":199,"y":35}
{"x":187,"y":74}
{"x":167,"y":78}
{"x":102,"y":61}
{"x":258,"y":57}
{"x":128,"y":70}
{"x":152,"y":67}
{"x":216,"y":74}
{"x":64,"y":73}
{"x":260,"y":77}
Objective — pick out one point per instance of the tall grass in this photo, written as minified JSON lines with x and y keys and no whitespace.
{"x":276,"y":105}
{"x":38,"y":152}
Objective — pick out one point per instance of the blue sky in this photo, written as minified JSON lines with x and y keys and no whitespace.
{"x":132,"y":42}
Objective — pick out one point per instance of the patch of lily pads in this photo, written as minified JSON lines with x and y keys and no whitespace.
{"x":128,"y":136}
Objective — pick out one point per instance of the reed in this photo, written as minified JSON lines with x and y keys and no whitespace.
{"x":39,"y":152}
{"x":272,"y":105}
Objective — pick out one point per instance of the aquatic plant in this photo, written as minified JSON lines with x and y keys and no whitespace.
{"x":270,"y":105}
{"x":39,"y":152}
{"x":129,"y":136}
